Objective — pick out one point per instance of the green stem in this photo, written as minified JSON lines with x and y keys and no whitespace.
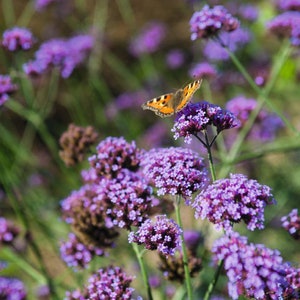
{"x":210,"y":158}
{"x":184,"y":252}
{"x":139,"y":255}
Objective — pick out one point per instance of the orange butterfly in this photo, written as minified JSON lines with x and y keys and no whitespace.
{"x":168,"y":104}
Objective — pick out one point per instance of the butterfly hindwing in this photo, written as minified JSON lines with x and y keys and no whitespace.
{"x":188,"y":92}
{"x":160,"y":105}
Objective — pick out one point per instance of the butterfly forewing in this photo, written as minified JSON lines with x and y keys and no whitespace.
{"x":160,"y":105}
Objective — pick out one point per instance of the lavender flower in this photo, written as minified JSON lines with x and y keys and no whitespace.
{"x":196,"y":117}
{"x":175,"y":58}
{"x":234,"y":40}
{"x":77,"y":255}
{"x":210,"y":21}
{"x":291,"y":223}
{"x":252,"y":270}
{"x":266,"y":124}
{"x":175,"y":171}
{"x":232,"y":200}
{"x":203,"y":70}
{"x":60,"y":53}
{"x":289,"y":5}
{"x":12,"y":288}
{"x":113,"y":155}
{"x":17,"y":38}
{"x":287,"y":24}
{"x":149,"y":39}
{"x":6,"y":88}
{"x":163,"y":235}
{"x":8,"y":232}
{"x":109,"y":283}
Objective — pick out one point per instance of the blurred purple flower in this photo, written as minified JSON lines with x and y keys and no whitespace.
{"x":291,"y":223}
{"x":175,"y":58}
{"x":289,"y":5}
{"x":174,"y":171}
{"x":62,"y":54}
{"x":42,"y":4}
{"x":203,"y":70}
{"x":6,"y":88}
{"x":8,"y":232}
{"x":113,"y":155}
{"x":163,"y":235}
{"x":286,"y":24}
{"x":12,"y":289}
{"x":192,"y":239}
{"x":253,"y":270}
{"x":266,"y":124}
{"x":233,"y":40}
{"x":232,"y":200}
{"x":209,"y":22}
{"x":77,"y":255}
{"x":148,"y":40}
{"x":17,"y":38}
{"x":155,"y":135}
{"x":196,"y":117}
{"x":249,"y":12}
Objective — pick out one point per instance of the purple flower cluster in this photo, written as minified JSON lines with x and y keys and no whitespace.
{"x":287,"y":24}
{"x":42,"y":4}
{"x":8,"y":232}
{"x":6,"y":88}
{"x":12,"y":288}
{"x":232,"y":200}
{"x":62,"y":54}
{"x":175,"y":58}
{"x":291,"y":223}
{"x":175,"y":171}
{"x":76,"y":254}
{"x":149,"y":39}
{"x":17,"y":38}
{"x":253,"y":270}
{"x":232,"y":40}
{"x":266,"y":124}
{"x":163,"y":235}
{"x":113,"y":155}
{"x":248,"y":12}
{"x":203,"y":70}
{"x":196,"y":117}
{"x":289,"y":5}
{"x":108,"y":283}
{"x":208,"y":22}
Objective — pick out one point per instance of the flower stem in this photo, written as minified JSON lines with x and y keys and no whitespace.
{"x":210,"y":158}
{"x":184,"y":252}
{"x":139,"y":255}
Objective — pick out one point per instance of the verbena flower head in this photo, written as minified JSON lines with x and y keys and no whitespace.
{"x":76,"y":254}
{"x":203,"y":70}
{"x":62,"y":54}
{"x":175,"y":58}
{"x":293,"y":288}
{"x":17,"y":38}
{"x":232,"y":200}
{"x":208,"y":22}
{"x":8,"y":232}
{"x":162,"y":234}
{"x":289,"y":5}
{"x":175,"y":171}
{"x":248,"y":12}
{"x":109,"y":283}
{"x":287,"y":24}
{"x":149,"y":39}
{"x":6,"y":88}
{"x":266,"y":124}
{"x":196,"y":117}
{"x":253,"y":270}
{"x":234,"y":40}
{"x":192,"y":239}
{"x":113,"y":155}
{"x":291,"y":223}
{"x":12,"y":288}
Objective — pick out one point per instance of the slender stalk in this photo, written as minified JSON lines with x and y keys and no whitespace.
{"x":139,"y":255}
{"x":184,"y":252}
{"x":210,"y":158}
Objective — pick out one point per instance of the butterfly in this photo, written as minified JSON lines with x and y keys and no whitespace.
{"x":168,"y":104}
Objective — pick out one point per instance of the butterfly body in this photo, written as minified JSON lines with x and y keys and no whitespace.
{"x":168,"y":104}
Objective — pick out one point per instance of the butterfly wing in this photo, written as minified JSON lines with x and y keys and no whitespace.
{"x":187,"y":94}
{"x":161,"y":105}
